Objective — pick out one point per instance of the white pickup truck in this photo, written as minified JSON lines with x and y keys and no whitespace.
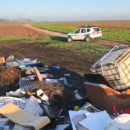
{"x":86,"y":33}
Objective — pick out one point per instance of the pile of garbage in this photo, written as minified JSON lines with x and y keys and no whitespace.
{"x":40,"y":97}
{"x":36,"y":96}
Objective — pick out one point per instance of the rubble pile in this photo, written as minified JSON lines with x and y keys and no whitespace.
{"x":40,"y":97}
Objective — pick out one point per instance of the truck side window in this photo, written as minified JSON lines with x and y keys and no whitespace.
{"x":83,"y":31}
{"x":77,"y":31}
{"x":88,"y":30}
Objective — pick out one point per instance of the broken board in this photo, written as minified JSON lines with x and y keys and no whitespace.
{"x":33,"y":108}
{"x":20,"y":117}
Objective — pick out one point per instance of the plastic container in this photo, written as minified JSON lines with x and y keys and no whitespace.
{"x":115,"y":67}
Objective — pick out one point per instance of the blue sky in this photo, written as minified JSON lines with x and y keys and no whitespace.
{"x":65,"y":10}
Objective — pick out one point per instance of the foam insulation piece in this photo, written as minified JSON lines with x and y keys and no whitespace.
{"x":20,"y":117}
{"x":33,"y":108}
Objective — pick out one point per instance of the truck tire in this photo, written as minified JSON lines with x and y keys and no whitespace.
{"x":70,"y":39}
{"x":88,"y":39}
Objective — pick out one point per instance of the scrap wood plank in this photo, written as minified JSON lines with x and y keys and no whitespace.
{"x":38,"y":74}
{"x":22,"y":118}
{"x":33,"y":108}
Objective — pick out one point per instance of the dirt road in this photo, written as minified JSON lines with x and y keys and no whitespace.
{"x":53,"y":33}
{"x":44,"y":30}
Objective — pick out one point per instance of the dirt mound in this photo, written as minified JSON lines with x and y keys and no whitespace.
{"x":18,"y":30}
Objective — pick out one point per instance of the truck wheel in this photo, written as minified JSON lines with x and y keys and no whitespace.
{"x":88,"y":39}
{"x":70,"y":39}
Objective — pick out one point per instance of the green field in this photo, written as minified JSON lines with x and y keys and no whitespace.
{"x":80,"y":47}
{"x":56,"y":27}
{"x":122,"y":35}
{"x":14,"y":38}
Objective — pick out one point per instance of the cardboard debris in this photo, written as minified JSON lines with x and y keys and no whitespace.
{"x":33,"y":108}
{"x":74,"y":113}
{"x":84,"y":120}
{"x":77,"y":119}
{"x":121,"y":122}
{"x":96,"y":121}
{"x":20,"y":117}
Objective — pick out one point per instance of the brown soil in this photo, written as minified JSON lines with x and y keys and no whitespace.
{"x":17,"y":30}
{"x":42,"y":30}
{"x":102,"y":24}
{"x":49,"y":55}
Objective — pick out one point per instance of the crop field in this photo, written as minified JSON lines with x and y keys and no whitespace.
{"x":17,"y":30}
{"x":103,"y":24}
{"x":122,"y":35}
{"x":56,"y":27}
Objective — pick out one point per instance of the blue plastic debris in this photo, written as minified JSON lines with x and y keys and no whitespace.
{"x":56,"y":68}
